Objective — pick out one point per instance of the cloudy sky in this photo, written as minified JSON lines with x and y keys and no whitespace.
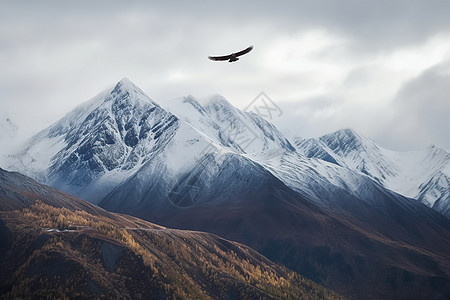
{"x":380,"y":67}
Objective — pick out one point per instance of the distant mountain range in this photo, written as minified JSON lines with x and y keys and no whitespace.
{"x":338,"y":209}
{"x":109,"y":138}
{"x":422,"y":175}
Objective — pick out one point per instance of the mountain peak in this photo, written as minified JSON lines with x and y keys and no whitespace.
{"x":438,"y":153}
{"x":215,"y":100}
{"x":125,"y":89}
{"x":348,"y":132}
{"x":349,"y":143}
{"x":126,"y":84}
{"x":344,"y":138}
{"x":126,"y":80}
{"x":434,"y":148}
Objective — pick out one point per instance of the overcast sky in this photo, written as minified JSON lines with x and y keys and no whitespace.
{"x":379,"y":67}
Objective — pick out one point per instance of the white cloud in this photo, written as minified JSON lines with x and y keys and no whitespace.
{"x":332,"y":64}
{"x":423,"y":108}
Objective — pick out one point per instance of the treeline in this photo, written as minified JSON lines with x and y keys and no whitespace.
{"x":170,"y":263}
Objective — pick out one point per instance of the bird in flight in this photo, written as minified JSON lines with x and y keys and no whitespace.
{"x":231,"y":57}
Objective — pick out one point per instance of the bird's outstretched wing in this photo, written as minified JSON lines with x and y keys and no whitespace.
{"x":245,"y":51}
{"x":225,"y":57}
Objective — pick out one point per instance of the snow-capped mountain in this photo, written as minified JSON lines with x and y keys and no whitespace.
{"x":422,"y":175}
{"x":242,"y":132}
{"x":122,"y":136}
{"x":217,"y":148}
{"x":206,"y":165}
{"x":265,"y":145}
{"x":99,"y":144}
{"x":349,"y":149}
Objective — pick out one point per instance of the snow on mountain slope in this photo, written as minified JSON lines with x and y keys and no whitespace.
{"x":359,"y":153}
{"x":267,"y":138}
{"x":330,"y":185}
{"x":238,"y":131}
{"x":122,"y":135}
{"x":192,"y":112}
{"x":319,"y":180}
{"x":314,"y":148}
{"x":99,"y":144}
{"x":36,"y":155}
{"x":203,"y":161}
{"x":422,"y":175}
